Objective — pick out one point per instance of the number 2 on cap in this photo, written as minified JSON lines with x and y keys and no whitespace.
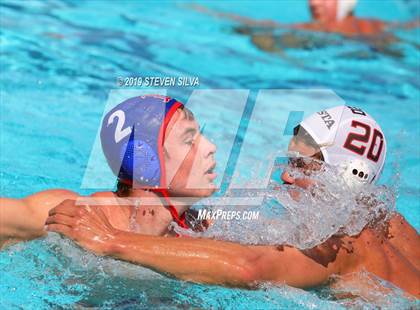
{"x":120,"y":133}
{"x":364,"y":138}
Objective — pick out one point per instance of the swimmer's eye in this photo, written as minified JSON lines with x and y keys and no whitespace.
{"x":304,"y":163}
{"x":189,"y":142}
{"x":297,"y":162}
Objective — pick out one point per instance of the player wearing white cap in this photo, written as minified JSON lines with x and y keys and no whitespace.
{"x":343,"y":136}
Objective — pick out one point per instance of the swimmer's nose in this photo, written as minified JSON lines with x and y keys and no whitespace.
{"x":208,"y":147}
{"x":287,"y":178}
{"x":303,"y":183}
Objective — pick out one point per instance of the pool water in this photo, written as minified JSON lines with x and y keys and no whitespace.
{"x":60,"y":59}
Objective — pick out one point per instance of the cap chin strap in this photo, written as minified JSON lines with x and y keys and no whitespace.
{"x":180,"y":220}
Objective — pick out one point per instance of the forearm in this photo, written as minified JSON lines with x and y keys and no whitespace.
{"x":17,"y":221}
{"x":191,"y":259}
{"x":197,"y":260}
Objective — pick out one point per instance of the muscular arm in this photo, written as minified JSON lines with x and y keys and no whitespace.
{"x":217,"y":262}
{"x":24,"y":218}
{"x":197,"y":260}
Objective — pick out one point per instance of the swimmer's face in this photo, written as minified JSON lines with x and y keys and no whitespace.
{"x":303,"y":163}
{"x":323,"y":11}
{"x":189,"y":158}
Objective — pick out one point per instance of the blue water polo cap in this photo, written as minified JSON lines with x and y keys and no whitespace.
{"x":132,"y":137}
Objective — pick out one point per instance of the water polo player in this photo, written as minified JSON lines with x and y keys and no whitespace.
{"x":343,"y":136}
{"x":154,"y":147}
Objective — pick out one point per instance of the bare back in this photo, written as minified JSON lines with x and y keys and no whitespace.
{"x":392,"y":255}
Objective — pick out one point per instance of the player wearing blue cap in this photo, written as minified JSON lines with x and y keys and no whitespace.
{"x":154,"y":146}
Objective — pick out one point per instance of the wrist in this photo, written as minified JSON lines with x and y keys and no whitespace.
{"x":114,"y":244}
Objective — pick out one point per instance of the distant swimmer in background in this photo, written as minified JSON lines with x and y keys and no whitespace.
{"x":328,"y":16}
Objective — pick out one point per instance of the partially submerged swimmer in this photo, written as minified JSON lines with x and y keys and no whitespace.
{"x":348,"y":136}
{"x":154,"y":146}
{"x":328,"y":16}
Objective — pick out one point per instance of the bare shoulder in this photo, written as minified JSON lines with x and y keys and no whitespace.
{"x":50,"y":197}
{"x":40,"y":203}
{"x":103,"y":194}
{"x":404,"y":238}
{"x":23,"y":219}
{"x":399,"y":224}
{"x":107,"y":199}
{"x":41,"y":199}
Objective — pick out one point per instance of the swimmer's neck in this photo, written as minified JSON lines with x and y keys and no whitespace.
{"x":152,"y":215}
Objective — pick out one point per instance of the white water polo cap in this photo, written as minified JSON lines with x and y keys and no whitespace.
{"x":349,"y":138}
{"x":344,"y":8}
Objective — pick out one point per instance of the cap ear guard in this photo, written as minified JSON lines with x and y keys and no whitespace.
{"x":140,"y":162}
{"x":356,"y":173}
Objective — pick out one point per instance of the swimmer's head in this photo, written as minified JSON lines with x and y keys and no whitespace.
{"x":349,"y":138}
{"x":326,"y":11}
{"x":153,"y":142}
{"x":189,"y":157}
{"x":305,"y":155}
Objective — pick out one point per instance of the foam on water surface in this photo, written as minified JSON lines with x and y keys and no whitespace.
{"x":327,"y":208}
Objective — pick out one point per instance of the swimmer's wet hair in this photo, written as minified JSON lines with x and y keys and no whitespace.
{"x":123,"y":189}
{"x":187,"y":113}
{"x":301,"y":135}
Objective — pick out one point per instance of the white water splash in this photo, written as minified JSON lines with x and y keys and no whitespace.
{"x":327,"y":208}
{"x":363,"y":289}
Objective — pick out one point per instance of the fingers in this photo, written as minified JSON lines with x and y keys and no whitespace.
{"x":102,"y":217}
{"x":66,"y":207}
{"x":61,"y":229}
{"x":61,"y":219}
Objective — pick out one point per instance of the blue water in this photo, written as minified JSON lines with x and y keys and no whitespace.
{"x":59,"y":61}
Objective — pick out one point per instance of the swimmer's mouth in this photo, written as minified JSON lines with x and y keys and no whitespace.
{"x":211,"y":169}
{"x":210,"y":172}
